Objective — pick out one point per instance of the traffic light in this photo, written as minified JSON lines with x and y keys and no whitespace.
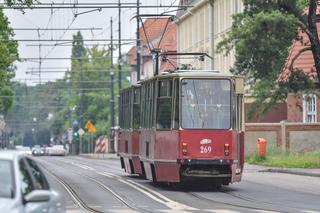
{"x":75,"y":134}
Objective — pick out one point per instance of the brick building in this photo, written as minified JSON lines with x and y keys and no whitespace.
{"x":154,"y":29}
{"x":302,"y":107}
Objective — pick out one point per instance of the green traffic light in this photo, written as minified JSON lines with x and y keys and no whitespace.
{"x":75,"y":134}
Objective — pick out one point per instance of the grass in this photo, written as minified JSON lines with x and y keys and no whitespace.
{"x":287,"y":160}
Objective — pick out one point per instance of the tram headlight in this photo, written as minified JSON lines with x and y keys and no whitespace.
{"x":184,"y":148}
{"x":226,"y":149}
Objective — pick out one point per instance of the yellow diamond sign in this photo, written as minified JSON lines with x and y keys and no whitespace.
{"x":90,"y":127}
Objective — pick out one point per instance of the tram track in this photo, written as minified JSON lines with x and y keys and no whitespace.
{"x":75,"y":197}
{"x":194,"y":194}
{"x":201,"y":197}
{"x":81,"y":204}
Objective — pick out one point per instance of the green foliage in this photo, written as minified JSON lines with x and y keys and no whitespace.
{"x":262,"y":36}
{"x":57,"y":104}
{"x":8,"y":54}
{"x":19,"y":2}
{"x":90,"y":73}
{"x":287,"y":159}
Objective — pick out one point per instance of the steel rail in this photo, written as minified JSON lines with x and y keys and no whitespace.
{"x":78,"y":201}
{"x":107,"y":189}
{"x":235,"y":205}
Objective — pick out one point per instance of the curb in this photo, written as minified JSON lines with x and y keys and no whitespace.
{"x":106,"y":156}
{"x":286,"y":171}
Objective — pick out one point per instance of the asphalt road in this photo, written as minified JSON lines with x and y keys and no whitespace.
{"x":91,"y":185}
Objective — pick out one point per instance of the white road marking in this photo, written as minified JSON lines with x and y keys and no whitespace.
{"x":150,"y":193}
{"x":82,"y":166}
{"x":309,"y":211}
{"x":105,"y":174}
{"x":222,"y":211}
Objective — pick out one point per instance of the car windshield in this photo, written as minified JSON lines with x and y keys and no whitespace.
{"x":205,"y":103}
{"x":6,"y":179}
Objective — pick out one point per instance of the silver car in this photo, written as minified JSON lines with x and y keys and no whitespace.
{"x":24,"y":188}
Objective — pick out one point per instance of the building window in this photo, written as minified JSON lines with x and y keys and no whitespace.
{"x":310,"y":108}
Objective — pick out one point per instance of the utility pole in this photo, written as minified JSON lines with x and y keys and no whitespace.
{"x":111,"y":146}
{"x":138,"y":42}
{"x":119,"y":66}
{"x":81,"y":106}
{"x":39,"y":56}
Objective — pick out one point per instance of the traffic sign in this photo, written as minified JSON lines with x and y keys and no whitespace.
{"x":81,"y":132}
{"x":90,"y":127}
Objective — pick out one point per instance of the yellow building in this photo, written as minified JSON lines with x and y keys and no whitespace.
{"x":201,"y":27}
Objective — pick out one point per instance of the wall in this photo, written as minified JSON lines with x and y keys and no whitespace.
{"x":275,"y":114}
{"x":193,"y":33}
{"x":222,"y":22}
{"x":295,"y":137}
{"x":203,"y":27}
{"x":295,"y":108}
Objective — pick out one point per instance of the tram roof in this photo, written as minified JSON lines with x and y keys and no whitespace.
{"x":191,"y":73}
{"x":187,"y":74}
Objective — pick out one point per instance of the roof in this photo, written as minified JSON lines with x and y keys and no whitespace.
{"x":304,"y":62}
{"x":154,"y":31}
{"x":191,"y":74}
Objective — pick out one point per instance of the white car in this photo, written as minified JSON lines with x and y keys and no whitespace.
{"x":56,"y":150}
{"x":24,"y":150}
{"x":24,"y":188}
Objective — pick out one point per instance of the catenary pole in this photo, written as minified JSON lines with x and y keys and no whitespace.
{"x":138,"y":42}
{"x":119,"y":65}
{"x":112,"y":89}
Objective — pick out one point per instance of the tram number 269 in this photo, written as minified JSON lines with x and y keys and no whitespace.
{"x":205,"y":149}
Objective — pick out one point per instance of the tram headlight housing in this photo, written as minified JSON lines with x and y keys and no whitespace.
{"x":184,"y":148}
{"x":226,"y":149}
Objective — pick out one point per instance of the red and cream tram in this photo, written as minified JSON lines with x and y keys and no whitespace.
{"x":184,"y":125}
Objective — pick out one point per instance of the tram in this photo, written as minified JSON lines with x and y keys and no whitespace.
{"x":184,"y":125}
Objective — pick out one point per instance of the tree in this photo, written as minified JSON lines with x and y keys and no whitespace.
{"x":8,"y":54}
{"x":262,"y":36}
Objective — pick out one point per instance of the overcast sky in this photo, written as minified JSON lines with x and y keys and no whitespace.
{"x":63,"y":18}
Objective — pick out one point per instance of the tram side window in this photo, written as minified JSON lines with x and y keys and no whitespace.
{"x":176,"y":105}
{"x":164,"y":104}
{"x":136,"y":108}
{"x":121,"y":101}
{"x":239,"y":112}
{"x":143,"y":106}
{"x":126,"y":111}
{"x":150,"y":106}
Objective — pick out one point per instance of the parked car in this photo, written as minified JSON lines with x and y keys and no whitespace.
{"x":24,"y":187}
{"x":38,"y":151}
{"x":24,"y":150}
{"x":56,"y":150}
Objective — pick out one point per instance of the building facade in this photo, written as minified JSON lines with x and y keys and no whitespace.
{"x":202,"y":27}
{"x":155,"y":35}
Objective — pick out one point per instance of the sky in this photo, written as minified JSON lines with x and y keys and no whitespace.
{"x":65,"y":18}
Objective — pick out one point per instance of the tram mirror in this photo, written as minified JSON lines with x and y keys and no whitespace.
{"x":239,"y":85}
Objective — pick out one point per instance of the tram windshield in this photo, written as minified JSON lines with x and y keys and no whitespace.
{"x":205,"y":104}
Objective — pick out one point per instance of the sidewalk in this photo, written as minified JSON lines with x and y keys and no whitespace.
{"x":100,"y":156}
{"x":294,"y":171}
